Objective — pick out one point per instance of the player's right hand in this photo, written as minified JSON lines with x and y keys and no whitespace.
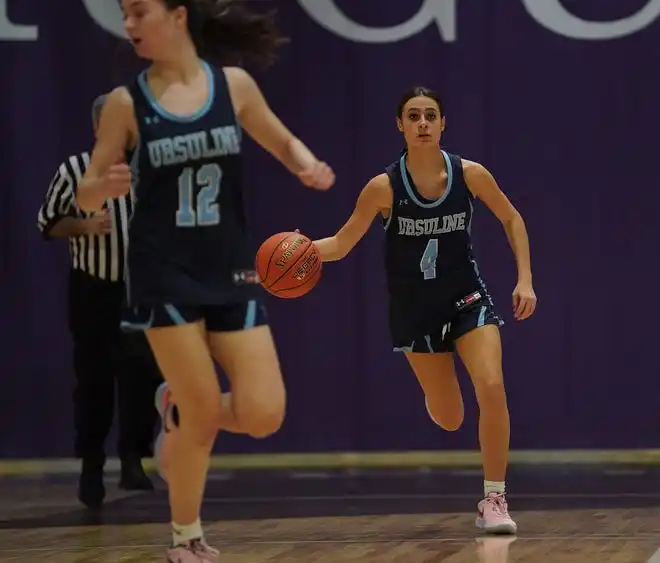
{"x":117,"y":180}
{"x":319,"y":176}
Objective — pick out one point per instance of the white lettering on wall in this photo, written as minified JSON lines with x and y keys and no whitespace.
{"x":550,"y":14}
{"x":327,"y":14}
{"x":107,"y":15}
{"x":14,"y":32}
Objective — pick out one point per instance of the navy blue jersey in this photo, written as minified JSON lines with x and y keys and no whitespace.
{"x":188,"y":242}
{"x":428,"y":252}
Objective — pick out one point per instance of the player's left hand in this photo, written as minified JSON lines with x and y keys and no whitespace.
{"x":524,"y":301}
{"x":320,"y":176}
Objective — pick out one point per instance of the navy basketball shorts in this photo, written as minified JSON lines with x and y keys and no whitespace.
{"x":448,"y":331}
{"x":217,"y":318}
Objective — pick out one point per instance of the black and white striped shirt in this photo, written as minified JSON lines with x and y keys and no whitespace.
{"x":100,"y":256}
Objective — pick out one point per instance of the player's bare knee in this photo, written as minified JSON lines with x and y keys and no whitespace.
{"x":451,"y":423}
{"x":260,"y":416}
{"x":262,"y":423}
{"x":489,"y":389}
{"x":266,"y":426}
{"x":259,"y":409}
{"x":449,"y":419}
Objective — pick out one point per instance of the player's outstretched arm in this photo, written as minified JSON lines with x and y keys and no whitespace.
{"x":376,"y":197}
{"x":106,"y":177}
{"x":261,"y":123}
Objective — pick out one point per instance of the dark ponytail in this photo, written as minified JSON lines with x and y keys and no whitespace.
{"x":225,"y":32}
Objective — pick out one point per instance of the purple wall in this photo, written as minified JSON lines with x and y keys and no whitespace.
{"x":563,"y":109}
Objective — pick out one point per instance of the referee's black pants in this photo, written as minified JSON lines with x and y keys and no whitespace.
{"x":107,"y":360}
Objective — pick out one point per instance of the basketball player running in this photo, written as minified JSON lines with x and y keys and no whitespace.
{"x":191,"y":282}
{"x":438,"y":302}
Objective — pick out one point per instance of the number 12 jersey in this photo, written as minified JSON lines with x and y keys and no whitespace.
{"x":187,"y":237}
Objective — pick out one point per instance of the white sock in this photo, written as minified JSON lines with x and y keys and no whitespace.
{"x":181,"y":535}
{"x":494,"y":487}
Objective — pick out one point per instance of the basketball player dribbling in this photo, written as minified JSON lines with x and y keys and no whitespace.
{"x":438,"y":302}
{"x":191,"y":282}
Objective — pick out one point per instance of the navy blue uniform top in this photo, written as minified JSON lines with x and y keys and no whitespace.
{"x":187,"y":237}
{"x":428,"y":251}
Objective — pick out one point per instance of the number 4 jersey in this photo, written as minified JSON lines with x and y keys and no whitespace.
{"x":432,"y":276}
{"x":187,"y":236}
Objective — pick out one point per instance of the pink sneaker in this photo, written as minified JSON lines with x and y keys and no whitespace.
{"x":164,"y":407}
{"x":195,"y":551}
{"x":493,"y":516}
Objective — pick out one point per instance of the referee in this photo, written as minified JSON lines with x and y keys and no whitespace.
{"x":103,"y":354}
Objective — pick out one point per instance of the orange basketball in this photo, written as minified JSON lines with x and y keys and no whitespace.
{"x":288,"y":265}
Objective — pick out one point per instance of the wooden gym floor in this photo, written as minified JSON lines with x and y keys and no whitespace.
{"x":566,"y":514}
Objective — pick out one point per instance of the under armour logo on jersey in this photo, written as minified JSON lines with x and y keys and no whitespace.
{"x":403,"y":202}
{"x":149,"y":120}
{"x":242,"y":277}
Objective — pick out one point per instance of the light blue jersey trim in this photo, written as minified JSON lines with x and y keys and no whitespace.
{"x":144,"y":86}
{"x":174,"y":314}
{"x":411,"y":192}
{"x":250,"y":314}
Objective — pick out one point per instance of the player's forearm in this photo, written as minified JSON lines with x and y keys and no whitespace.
{"x":329,"y":249}
{"x":297,"y":157}
{"x":516,"y":232}
{"x":90,"y":195}
{"x":68,"y":227}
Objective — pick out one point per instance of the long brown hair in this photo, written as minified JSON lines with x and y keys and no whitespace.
{"x":226,"y":32}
